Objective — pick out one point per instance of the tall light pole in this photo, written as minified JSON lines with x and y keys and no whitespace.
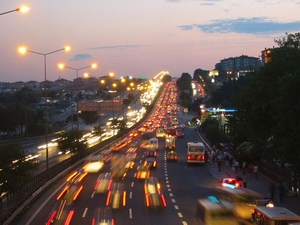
{"x":21,"y":9}
{"x":62,"y":66}
{"x":23,"y":50}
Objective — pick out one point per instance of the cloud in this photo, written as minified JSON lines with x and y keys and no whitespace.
{"x":79,"y":57}
{"x":256,"y":25}
{"x":118,"y":47}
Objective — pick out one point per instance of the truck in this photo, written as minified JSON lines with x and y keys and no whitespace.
{"x":118,"y":166}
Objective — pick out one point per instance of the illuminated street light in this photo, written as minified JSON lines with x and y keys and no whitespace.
{"x":22,"y":9}
{"x":23,"y":50}
{"x":62,"y":66}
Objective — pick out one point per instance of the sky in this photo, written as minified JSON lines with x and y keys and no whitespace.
{"x":137,"y":37}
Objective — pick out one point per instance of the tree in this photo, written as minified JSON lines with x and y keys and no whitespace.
{"x":15,"y":168}
{"x":269,"y":106}
{"x":89,"y":117}
{"x":72,"y":141}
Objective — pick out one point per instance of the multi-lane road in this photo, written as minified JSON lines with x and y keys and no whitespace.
{"x":182,"y":185}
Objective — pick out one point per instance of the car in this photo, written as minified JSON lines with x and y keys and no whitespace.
{"x":143,"y":172}
{"x":160,"y":132}
{"x":103,"y":183}
{"x":151,"y":162}
{"x":231,"y":182}
{"x":172,"y":156}
{"x":103,"y":216}
{"x":151,"y":153}
{"x":116,"y":196}
{"x":154,"y":197}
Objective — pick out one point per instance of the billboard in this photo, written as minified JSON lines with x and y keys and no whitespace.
{"x":100,"y":106}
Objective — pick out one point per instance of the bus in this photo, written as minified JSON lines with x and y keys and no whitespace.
{"x":263,"y":215}
{"x":244,"y":200}
{"x":212,"y":211}
{"x":195,"y":152}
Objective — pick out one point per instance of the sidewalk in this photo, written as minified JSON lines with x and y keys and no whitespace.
{"x":260,"y":185}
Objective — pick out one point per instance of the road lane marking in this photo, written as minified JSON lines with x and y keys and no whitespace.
{"x":130,"y":195}
{"x":171,"y":195}
{"x":179,"y":214}
{"x":85,"y":211}
{"x":130,"y":213}
{"x":92,"y":196}
{"x":132,"y":183}
{"x":184,"y":223}
{"x":169,"y":189}
{"x":176,"y":207}
{"x":173,"y":200}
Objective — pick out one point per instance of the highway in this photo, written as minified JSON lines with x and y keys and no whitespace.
{"x":181,"y":185}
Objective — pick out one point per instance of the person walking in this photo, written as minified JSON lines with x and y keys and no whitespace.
{"x":249,"y":171}
{"x":236,"y":166}
{"x":244,"y":167}
{"x":219,"y":162}
{"x":255,"y":170}
{"x":272,"y":191}
{"x":281,"y":191}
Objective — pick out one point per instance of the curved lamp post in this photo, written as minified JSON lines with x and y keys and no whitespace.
{"x":23,"y":50}
{"x":62,"y":66}
{"x":21,"y":9}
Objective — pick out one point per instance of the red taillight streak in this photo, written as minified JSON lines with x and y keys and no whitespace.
{"x":51,"y":219}
{"x":82,"y":176}
{"x":147,"y":200}
{"x":109,"y":185}
{"x":124,"y":198}
{"x":93,"y":221}
{"x":96,"y":185}
{"x":69,"y":218}
{"x":77,"y":193}
{"x":108,"y":198}
{"x":65,"y":189}
{"x":163,"y":200}
{"x":72,"y":175}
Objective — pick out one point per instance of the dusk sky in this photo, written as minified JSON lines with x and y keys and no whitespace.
{"x":137,"y":37}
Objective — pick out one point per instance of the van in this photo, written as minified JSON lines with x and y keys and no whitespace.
{"x":153,"y":143}
{"x":213,"y":211}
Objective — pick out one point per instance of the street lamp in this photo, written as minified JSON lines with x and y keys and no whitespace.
{"x":62,"y":66}
{"x":22,"y":9}
{"x":23,"y":50}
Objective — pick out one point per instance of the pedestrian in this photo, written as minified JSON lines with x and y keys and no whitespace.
{"x":230,"y":160}
{"x":281,"y":191}
{"x":236,"y":166}
{"x":272,"y":191}
{"x":255,"y":170}
{"x":249,"y":171}
{"x":244,"y":167}
{"x":219,"y":162}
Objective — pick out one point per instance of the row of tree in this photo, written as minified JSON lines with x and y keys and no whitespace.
{"x":267,"y":103}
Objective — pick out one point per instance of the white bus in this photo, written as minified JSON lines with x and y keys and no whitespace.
{"x":212,"y":211}
{"x":263,"y":215}
{"x":244,"y":200}
{"x":195,"y":152}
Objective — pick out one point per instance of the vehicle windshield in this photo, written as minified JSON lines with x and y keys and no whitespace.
{"x":196,"y":149}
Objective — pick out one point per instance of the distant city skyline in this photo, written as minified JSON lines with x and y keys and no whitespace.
{"x":138,"y":37}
